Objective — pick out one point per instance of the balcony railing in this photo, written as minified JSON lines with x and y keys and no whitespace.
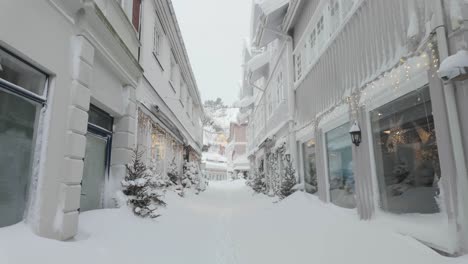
{"x":325,"y":24}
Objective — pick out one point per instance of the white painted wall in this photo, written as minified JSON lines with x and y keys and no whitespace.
{"x":158,"y":74}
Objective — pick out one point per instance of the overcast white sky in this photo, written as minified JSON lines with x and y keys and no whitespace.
{"x":213,"y":31}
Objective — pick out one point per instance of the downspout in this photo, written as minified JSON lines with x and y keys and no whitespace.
{"x":454,"y":130}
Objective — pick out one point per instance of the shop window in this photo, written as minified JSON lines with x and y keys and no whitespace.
{"x":158,"y":145}
{"x":406,"y":154}
{"x":97,"y":159}
{"x":310,"y":169}
{"x":340,"y":167}
{"x":22,"y":96}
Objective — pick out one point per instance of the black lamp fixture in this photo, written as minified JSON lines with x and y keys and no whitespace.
{"x":288,"y":157}
{"x":355,"y":133}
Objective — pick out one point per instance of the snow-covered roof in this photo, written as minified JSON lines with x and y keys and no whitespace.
{"x":267,"y":13}
{"x":258,"y":61}
{"x":258,"y":65}
{"x":270,"y":6}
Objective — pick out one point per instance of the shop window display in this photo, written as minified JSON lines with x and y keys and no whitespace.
{"x":406,"y":154}
{"x":340,"y":167}
{"x":22,"y":98}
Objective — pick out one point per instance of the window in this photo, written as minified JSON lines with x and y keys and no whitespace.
{"x":340,"y":167}
{"x":173,"y":69}
{"x":334,"y":7}
{"x":182,"y":93}
{"x":157,"y":145}
{"x":298,"y":63}
{"x":279,"y":87}
{"x":189,"y":107}
{"x":97,"y":159}
{"x":158,"y":37}
{"x":310,"y":171}
{"x":22,"y":96}
{"x":270,"y":104}
{"x":312,"y":43}
{"x":406,"y":154}
{"x":136,"y":14}
{"x":320,"y":26}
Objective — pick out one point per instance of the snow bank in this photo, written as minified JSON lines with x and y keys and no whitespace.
{"x":226,"y":224}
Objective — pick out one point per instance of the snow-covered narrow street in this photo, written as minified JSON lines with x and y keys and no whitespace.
{"x":226,"y":224}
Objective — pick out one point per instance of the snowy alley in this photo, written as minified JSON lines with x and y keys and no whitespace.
{"x":224,"y":225}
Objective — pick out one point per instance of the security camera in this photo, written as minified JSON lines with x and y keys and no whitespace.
{"x":455,"y":67}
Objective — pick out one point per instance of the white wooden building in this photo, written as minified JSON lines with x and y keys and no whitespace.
{"x":374,"y":64}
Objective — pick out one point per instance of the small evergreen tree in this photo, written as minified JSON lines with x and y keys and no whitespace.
{"x":138,"y":187}
{"x":173,"y":173}
{"x":259,"y":182}
{"x":289,"y":180}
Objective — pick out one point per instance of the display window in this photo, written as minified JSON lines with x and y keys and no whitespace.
{"x":406,"y":155}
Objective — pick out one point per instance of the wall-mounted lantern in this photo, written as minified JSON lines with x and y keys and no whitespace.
{"x":355,"y":133}
{"x":288,"y":157}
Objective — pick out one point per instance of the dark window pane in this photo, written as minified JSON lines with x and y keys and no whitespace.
{"x":406,"y":154}
{"x":311,"y":185}
{"x":19,"y":73}
{"x":100,"y":118}
{"x":340,"y":167}
{"x":18,"y":119}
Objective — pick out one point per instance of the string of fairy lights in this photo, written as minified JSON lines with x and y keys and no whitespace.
{"x":393,"y":78}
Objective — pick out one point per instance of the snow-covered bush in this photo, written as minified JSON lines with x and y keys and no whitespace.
{"x":141,"y":188}
{"x":258,"y":182}
{"x":289,"y":180}
{"x":192,"y":177}
{"x":173,"y":173}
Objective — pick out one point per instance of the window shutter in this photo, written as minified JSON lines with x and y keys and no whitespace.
{"x":136,"y":14}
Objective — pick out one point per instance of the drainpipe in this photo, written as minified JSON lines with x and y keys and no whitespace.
{"x":454,"y":130}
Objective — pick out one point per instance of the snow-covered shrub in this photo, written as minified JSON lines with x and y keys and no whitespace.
{"x":192,"y":177}
{"x":141,"y":188}
{"x":289,"y":180}
{"x":173,"y":173}
{"x":258,"y":182}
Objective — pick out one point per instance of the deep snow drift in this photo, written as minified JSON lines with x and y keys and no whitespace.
{"x":226,"y":224}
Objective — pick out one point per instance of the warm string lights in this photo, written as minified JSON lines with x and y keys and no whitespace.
{"x":392,"y":79}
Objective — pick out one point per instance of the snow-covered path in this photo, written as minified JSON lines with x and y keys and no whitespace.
{"x":225,"y":225}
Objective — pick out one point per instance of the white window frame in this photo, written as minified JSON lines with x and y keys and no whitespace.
{"x":326,"y":127}
{"x":174,"y":66}
{"x":384,"y":96}
{"x":298,"y":66}
{"x":157,"y":40}
{"x":280,"y":87}
{"x":182,"y":92}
